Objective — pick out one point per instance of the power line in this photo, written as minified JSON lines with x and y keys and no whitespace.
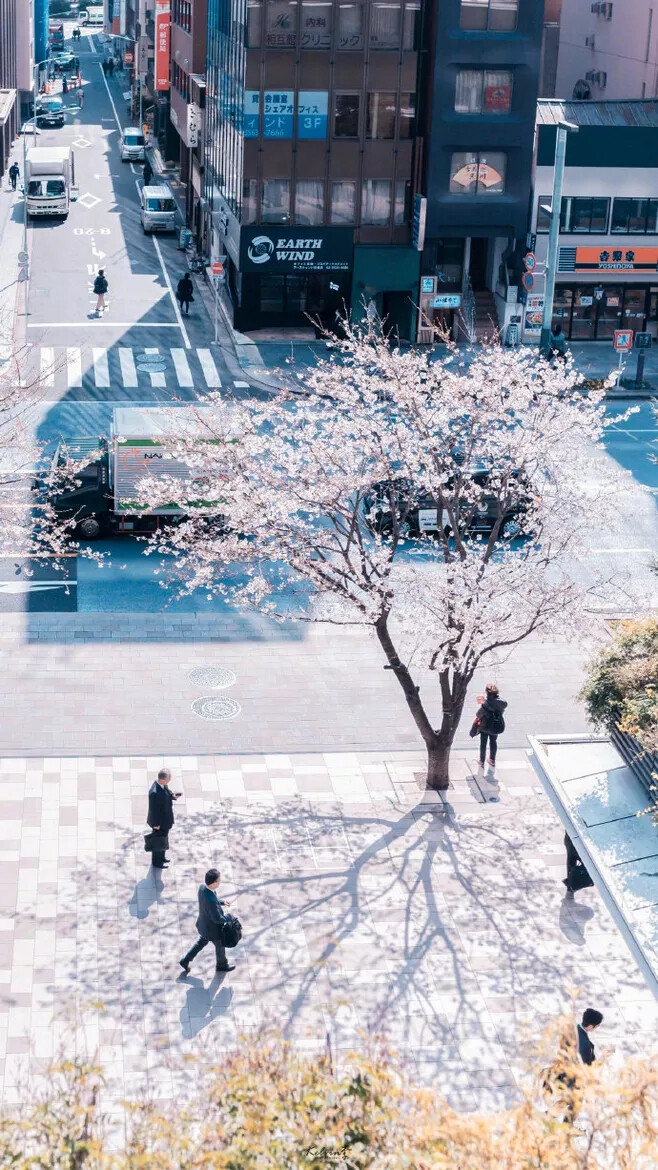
{"x":608,"y":53}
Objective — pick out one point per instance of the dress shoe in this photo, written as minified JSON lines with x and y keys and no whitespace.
{"x":185,"y":966}
{"x":228,"y":967}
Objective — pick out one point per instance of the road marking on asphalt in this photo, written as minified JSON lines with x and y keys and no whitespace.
{"x":33,"y":586}
{"x":128,"y":371}
{"x":183,"y":371}
{"x":100,"y":321}
{"x":209,"y":368}
{"x":171,"y":294}
{"x":47,"y":367}
{"x":73,"y":367}
{"x":101,"y":367}
{"x":157,"y":379}
{"x":116,"y":116}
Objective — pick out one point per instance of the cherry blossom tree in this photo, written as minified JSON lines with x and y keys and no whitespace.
{"x":439,"y":500}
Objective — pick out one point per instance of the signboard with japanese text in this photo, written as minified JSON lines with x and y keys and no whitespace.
{"x":608,"y":259}
{"x":162,"y":43}
{"x":497,"y":98}
{"x":193,"y":123}
{"x":278,"y":109}
{"x":251,"y":112}
{"x":315,"y":25}
{"x":534,"y":312}
{"x":312,"y":113}
{"x":281,"y":25}
{"x":447,"y":301}
{"x":288,"y":249}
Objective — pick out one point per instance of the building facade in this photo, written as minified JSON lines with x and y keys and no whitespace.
{"x":608,"y":50}
{"x":188,"y":99}
{"x":607,"y":272}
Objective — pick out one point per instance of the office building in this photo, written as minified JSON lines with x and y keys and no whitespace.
{"x":188,"y":98}
{"x":608,"y":50}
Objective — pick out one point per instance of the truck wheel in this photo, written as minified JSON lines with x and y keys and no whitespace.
{"x":89,"y":528}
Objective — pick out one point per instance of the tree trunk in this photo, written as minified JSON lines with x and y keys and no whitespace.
{"x":438,"y":765}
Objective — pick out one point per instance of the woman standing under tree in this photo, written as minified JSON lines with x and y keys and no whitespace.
{"x":491,"y":723}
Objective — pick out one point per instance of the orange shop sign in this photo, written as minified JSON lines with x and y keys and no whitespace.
{"x":616,"y":258}
{"x":162,"y":43}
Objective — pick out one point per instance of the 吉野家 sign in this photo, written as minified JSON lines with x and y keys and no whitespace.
{"x":623,"y":340}
{"x":312,"y":113}
{"x":608,"y":259}
{"x":162,"y":42}
{"x":288,"y":249}
{"x":278,"y":111}
{"x":193,"y":120}
{"x":447,"y":301}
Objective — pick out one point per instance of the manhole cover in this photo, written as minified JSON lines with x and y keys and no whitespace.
{"x":209,"y":707}
{"x":150,"y":361}
{"x":214,"y":678}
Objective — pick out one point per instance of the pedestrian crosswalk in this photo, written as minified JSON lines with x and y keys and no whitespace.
{"x":124,"y":368}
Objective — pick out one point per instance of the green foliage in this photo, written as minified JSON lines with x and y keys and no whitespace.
{"x":622,"y":682}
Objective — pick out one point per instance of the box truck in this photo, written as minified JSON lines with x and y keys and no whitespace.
{"x":49,"y":179}
{"x":104,"y":499}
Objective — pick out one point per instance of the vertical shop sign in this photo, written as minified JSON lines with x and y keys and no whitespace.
{"x":162,"y":42}
{"x":278,"y":109}
{"x":193,"y":120}
{"x":312,"y":113}
{"x":251,"y":112}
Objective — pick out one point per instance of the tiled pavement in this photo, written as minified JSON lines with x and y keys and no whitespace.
{"x":367,"y":904}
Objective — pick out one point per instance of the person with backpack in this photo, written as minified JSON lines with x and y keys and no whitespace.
{"x":210,"y":924}
{"x":490,"y":723}
{"x":185,"y":292}
{"x":100,"y":288}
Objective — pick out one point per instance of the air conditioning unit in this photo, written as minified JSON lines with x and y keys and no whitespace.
{"x":603,"y":8}
{"x":597,"y":77}
{"x":590,"y":42}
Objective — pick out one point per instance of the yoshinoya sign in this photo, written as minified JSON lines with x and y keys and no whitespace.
{"x":288,"y":249}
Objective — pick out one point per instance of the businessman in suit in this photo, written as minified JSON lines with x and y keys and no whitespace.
{"x":161,"y":811}
{"x":591,"y":1020}
{"x":209,"y":924}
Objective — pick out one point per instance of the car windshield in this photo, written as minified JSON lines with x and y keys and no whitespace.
{"x":134,"y":139}
{"x":55,"y":187}
{"x":34,"y":187}
{"x":160,"y":205}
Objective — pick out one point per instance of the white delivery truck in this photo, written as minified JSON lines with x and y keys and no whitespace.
{"x":104,"y":498}
{"x":49,"y":180}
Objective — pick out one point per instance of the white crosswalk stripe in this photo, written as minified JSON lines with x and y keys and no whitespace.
{"x":126,"y":368}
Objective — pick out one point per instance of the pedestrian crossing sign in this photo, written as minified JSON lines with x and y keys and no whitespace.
{"x":623,"y":340}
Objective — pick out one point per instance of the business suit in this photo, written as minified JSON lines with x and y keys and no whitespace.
{"x":160,"y":815}
{"x":585,"y":1046}
{"x":209,"y":926}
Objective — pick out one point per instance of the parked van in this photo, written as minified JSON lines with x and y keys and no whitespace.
{"x":158,"y":209}
{"x":132,"y":144}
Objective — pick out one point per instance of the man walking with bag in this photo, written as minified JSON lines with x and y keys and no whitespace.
{"x":209,"y":924}
{"x":161,"y":812}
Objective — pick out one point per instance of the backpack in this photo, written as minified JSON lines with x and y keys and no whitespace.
{"x":231,"y":931}
{"x":495,"y":722}
{"x":100,"y":285}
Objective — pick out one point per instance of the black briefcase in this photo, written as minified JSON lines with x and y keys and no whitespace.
{"x":579,"y":879}
{"x":156,"y":843}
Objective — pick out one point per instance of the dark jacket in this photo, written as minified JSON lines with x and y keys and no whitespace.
{"x":13,"y":170}
{"x":585,"y":1046}
{"x":185,"y":289}
{"x":487,"y":714}
{"x":211,"y":916}
{"x":100,"y":285}
{"x":161,"y":807}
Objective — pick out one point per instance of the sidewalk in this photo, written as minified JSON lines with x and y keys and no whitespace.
{"x":368,"y":905}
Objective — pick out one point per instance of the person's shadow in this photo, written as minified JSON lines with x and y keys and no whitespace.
{"x":146,"y":892}
{"x":203,"y":1004}
{"x":573,"y":916}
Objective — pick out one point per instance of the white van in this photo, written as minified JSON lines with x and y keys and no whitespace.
{"x":158,"y":209}
{"x":132,"y":144}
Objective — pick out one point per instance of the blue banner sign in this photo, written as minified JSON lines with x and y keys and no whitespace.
{"x":312,"y":113}
{"x":278,"y":109}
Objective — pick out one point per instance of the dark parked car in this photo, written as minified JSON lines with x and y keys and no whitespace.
{"x":419,"y":514}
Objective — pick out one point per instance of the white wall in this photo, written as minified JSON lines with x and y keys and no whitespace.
{"x":626,"y":48}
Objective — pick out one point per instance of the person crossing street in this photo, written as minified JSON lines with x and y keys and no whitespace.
{"x":185,"y":292}
{"x":100,"y":288}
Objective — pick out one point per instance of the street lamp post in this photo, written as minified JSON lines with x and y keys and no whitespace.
{"x":563,"y":128}
{"x":37,"y":65}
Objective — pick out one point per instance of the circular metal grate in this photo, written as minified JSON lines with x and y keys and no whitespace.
{"x":151,"y":362}
{"x":213,"y":678}
{"x":209,"y":707}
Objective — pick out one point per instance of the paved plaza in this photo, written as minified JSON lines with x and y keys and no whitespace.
{"x":368,"y":904}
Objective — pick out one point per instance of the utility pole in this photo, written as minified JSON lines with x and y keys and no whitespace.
{"x":563,"y":128}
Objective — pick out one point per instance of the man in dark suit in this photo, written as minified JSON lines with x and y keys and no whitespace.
{"x":591,"y":1020}
{"x":209,"y":924}
{"x":161,"y":812}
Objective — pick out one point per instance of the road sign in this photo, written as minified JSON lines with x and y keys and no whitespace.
{"x":23,"y":258}
{"x":528,"y":281}
{"x":217,"y":268}
{"x":623,"y":340}
{"x":642,"y":341}
{"x":530,"y":261}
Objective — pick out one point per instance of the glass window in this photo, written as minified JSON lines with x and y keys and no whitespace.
{"x":483,"y":91}
{"x":275,"y":202}
{"x":634,"y":215}
{"x":315,"y":27}
{"x":587,"y":215}
{"x":407,"y":115}
{"x":385,"y":25}
{"x":346,"y":115}
{"x":249,"y":201}
{"x":272,"y":294}
{"x":473,"y":173}
{"x":495,"y":15}
{"x":411,"y":27}
{"x":544,"y":217}
{"x":309,"y":201}
{"x":350,"y":26}
{"x":381,"y":115}
{"x":254,"y":23}
{"x":652,"y":216}
{"x":281,"y":24}
{"x":343,"y":202}
{"x":376,"y":202}
{"x":402,"y":202}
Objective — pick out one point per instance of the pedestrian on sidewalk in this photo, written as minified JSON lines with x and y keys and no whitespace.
{"x":591,"y":1020}
{"x":100,"y":288}
{"x":557,"y":342}
{"x":65,"y":88}
{"x":577,"y":877}
{"x":104,"y":65}
{"x":185,"y":292}
{"x":490,"y":722}
{"x":81,"y":94}
{"x":147,"y":173}
{"x":76,"y":64}
{"x":209,"y":924}
{"x":14,"y":173}
{"x":160,"y":815}
{"x":110,"y":66}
